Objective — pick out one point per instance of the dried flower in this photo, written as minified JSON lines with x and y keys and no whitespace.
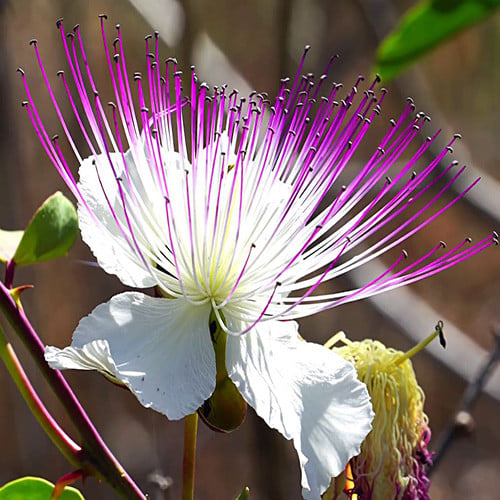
{"x":394,"y":456}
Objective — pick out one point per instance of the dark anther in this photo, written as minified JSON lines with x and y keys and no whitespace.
{"x":428,"y":138}
{"x":410,"y":100}
{"x":367,"y":120}
{"x":314,"y":149}
{"x":144,"y":109}
{"x":348,"y":239}
{"x":354,"y":89}
{"x":54,"y":137}
{"x":381,"y":150}
{"x":377,"y":77}
{"x":405,"y":254}
{"x":450,"y":149}
{"x":383,"y":90}
{"x":24,"y":104}
{"x":392,"y":122}
{"x":117,"y":26}
{"x":116,"y":57}
{"x":253,"y":245}
{"x":20,"y":70}
{"x":148,"y":37}
{"x":71,"y":36}
{"x":377,"y":109}
{"x":495,"y":235}
{"x":116,"y":41}
{"x":137,"y":76}
{"x":349,"y":144}
{"x":60,"y":73}
{"x":454,"y":163}
{"x":413,"y":175}
{"x":163,"y":80}
{"x":204,"y":85}
{"x":278,"y":283}
{"x":285,"y":80}
{"x":427,"y":118}
{"x":96,"y":93}
{"x":468,"y":239}
{"x":112,"y":104}
{"x":154,"y":131}
{"x":343,"y":188}
{"x":442,"y":243}
{"x":103,"y":16}
{"x":439,"y":329}
{"x":151,"y":56}
{"x":171,"y":60}
{"x":59,"y":22}
{"x":312,"y":100}
{"x":33,"y":41}
{"x":76,"y":27}
{"x":457,"y":136}
{"x":157,"y":34}
{"x":178,"y":73}
{"x":360,"y":116}
{"x":388,"y":179}
{"x":319,"y":226}
{"x":416,"y":126}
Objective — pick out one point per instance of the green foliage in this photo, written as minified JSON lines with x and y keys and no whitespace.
{"x":244,"y":495}
{"x":425,"y":26}
{"x":50,"y":234}
{"x":35,"y":488}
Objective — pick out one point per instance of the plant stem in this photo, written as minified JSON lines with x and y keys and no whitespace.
{"x":65,"y":444}
{"x":188,"y":463}
{"x":99,"y":461}
{"x":9,"y":273}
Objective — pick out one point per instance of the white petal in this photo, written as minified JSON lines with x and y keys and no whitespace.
{"x":307,"y":393}
{"x":160,"y":348}
{"x":108,"y":244}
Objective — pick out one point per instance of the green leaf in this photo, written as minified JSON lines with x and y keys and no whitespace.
{"x":50,"y":233}
{"x":424,"y":26}
{"x":35,"y":488}
{"x":9,"y":241}
{"x":244,"y":495}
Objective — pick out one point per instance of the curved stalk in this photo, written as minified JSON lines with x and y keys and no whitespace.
{"x":64,"y":443}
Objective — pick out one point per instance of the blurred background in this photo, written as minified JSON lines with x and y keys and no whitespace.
{"x":251,"y":45}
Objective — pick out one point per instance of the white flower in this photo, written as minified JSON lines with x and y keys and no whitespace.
{"x":234,"y":217}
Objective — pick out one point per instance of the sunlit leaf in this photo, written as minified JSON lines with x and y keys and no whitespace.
{"x":9,"y":241}
{"x":50,"y":233}
{"x":35,"y":488}
{"x":423,"y":27}
{"x":244,"y":495}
